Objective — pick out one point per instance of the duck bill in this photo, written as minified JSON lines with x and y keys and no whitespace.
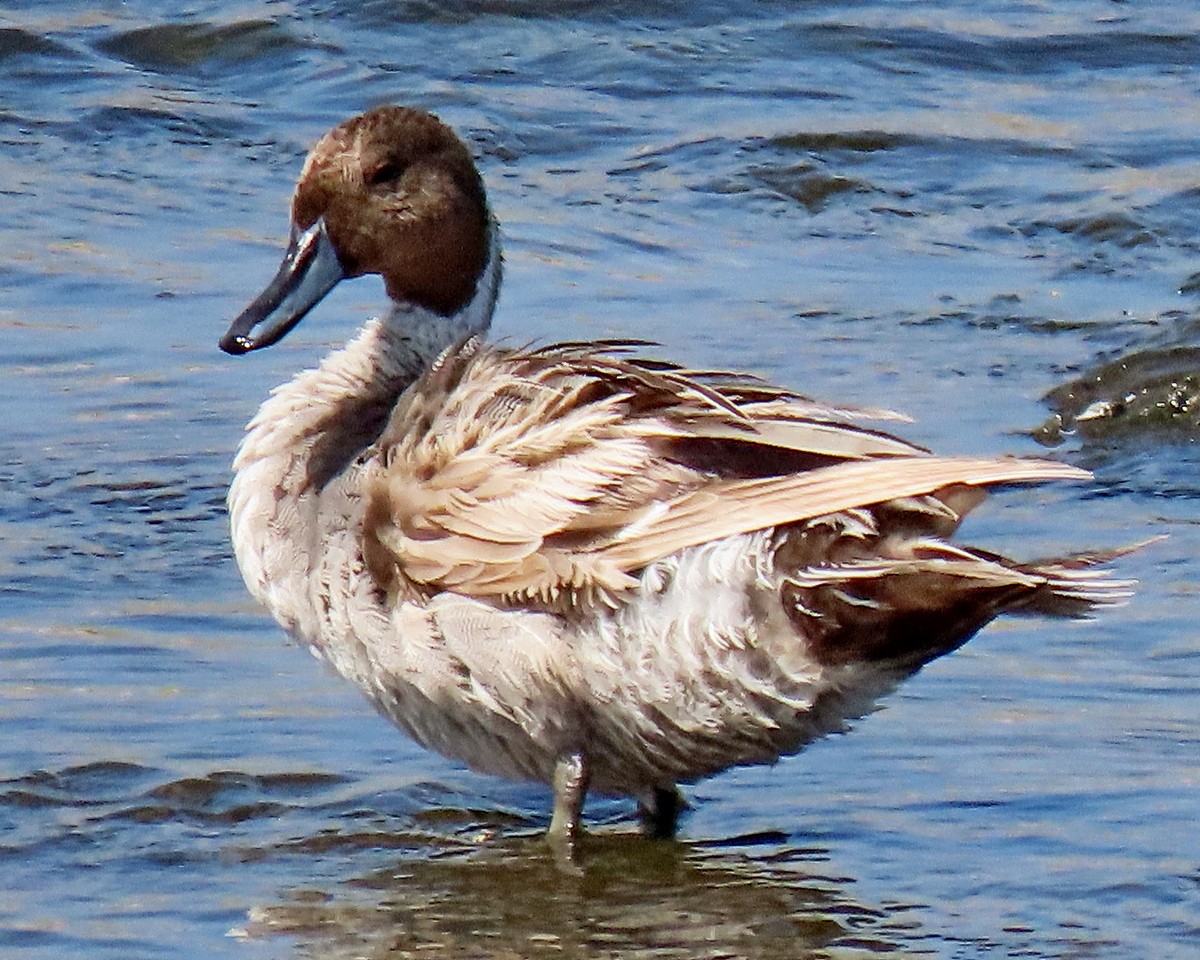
{"x":310,"y":269}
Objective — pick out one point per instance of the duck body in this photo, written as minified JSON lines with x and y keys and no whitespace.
{"x":570,"y":564}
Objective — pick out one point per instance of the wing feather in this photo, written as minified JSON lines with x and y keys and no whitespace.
{"x":561,"y":471}
{"x":739,"y":507}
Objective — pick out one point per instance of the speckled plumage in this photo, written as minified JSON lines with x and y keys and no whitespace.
{"x":570,"y":564}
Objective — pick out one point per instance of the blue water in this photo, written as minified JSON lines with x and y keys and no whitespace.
{"x":944,"y":208}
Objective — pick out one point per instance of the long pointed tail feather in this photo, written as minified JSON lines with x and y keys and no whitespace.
{"x":1074,"y":586}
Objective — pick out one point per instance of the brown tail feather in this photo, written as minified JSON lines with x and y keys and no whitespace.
{"x":911,"y":611}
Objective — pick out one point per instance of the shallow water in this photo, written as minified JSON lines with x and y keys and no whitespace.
{"x":950,"y":209}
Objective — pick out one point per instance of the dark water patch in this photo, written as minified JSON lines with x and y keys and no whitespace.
{"x":441,"y":806}
{"x":235,"y":813}
{"x":220,"y":798}
{"x":850,"y":141}
{"x":1141,"y":466}
{"x":1176,"y":221}
{"x":1149,"y":228}
{"x":214,"y":786}
{"x":811,"y":187}
{"x":169,"y":509}
{"x":336,"y":841}
{"x":148,"y":125}
{"x":699,"y":153}
{"x":965,"y":183}
{"x":191,"y":45}
{"x":93,"y":514}
{"x":62,"y":943}
{"x":85,"y":785}
{"x":1151,"y":153}
{"x":906,"y":48}
{"x":655,"y":13}
{"x":16,"y":43}
{"x":1109,"y":50}
{"x":932,"y":149}
{"x":62,"y":361}
{"x":767,"y":838}
{"x":106,"y":123}
{"x":934,"y":193}
{"x":467,"y":817}
{"x":91,"y":644}
{"x":552,"y":135}
{"x":991,"y":319}
{"x":1116,"y":227}
{"x":349,"y":825}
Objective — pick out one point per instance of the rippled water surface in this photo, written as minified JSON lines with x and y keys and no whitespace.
{"x":952,"y":209}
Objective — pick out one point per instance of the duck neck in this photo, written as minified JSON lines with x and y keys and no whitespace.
{"x":295,"y":473}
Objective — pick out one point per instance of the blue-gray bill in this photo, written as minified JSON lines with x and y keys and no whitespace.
{"x":310,"y":269}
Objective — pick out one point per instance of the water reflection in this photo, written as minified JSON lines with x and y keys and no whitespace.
{"x":507,"y":898}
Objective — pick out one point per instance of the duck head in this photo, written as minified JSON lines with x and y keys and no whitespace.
{"x":395,"y":192}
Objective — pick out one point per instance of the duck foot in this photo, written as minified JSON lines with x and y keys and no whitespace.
{"x":659,"y":812}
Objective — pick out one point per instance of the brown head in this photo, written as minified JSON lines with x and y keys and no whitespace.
{"x":393,"y":191}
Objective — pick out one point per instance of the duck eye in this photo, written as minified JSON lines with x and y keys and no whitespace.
{"x":385,"y":173}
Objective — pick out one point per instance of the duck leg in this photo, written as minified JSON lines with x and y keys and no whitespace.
{"x":570,"y":790}
{"x":659,"y":812}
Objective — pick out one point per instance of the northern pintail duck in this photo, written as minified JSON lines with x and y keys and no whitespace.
{"x":570,"y":564}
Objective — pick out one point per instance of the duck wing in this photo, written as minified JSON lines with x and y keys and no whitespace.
{"x":552,"y":475}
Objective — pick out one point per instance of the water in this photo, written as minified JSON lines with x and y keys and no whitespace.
{"x":946,"y":208}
